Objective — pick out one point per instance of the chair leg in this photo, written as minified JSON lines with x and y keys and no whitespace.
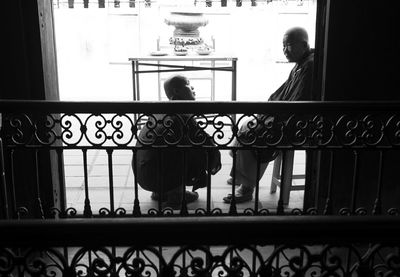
{"x":287,"y":171}
{"x":276,"y":172}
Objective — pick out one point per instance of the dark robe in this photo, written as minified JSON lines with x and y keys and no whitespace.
{"x":298,"y":87}
{"x":163,"y":170}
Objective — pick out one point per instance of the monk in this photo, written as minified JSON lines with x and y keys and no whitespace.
{"x":167,"y":171}
{"x":298,"y":87}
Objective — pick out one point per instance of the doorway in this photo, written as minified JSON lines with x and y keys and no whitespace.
{"x":94,"y":44}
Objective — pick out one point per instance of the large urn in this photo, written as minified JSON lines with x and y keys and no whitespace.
{"x":186,"y":25}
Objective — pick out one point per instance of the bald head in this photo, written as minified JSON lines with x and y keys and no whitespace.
{"x":178,"y":88}
{"x":295,"y":44}
{"x":174,"y":84}
{"x":297,"y":34}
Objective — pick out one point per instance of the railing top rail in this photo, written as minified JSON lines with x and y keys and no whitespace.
{"x":281,"y":125}
{"x":192,"y":106}
{"x":189,"y":230}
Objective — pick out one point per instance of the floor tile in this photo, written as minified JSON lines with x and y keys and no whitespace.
{"x":73,"y":182}
{"x":124,"y":184}
{"x":75,"y":170}
{"x":102,"y":170}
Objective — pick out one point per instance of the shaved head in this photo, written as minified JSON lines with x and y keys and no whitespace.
{"x":297,"y":34}
{"x":178,"y":88}
{"x":295,"y":44}
{"x":174,"y":84}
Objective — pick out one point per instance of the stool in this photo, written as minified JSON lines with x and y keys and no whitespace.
{"x":288,"y":172}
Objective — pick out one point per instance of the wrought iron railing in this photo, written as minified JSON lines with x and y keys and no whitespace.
{"x":228,"y":246}
{"x":36,"y":130}
{"x":302,"y":243}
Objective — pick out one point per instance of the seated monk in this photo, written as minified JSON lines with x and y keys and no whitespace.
{"x":167,"y":170}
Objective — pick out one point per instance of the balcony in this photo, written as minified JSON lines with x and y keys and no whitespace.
{"x":344,"y":226}
{"x":124,"y":184}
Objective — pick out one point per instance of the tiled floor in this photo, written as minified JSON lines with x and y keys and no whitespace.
{"x":99,"y":191}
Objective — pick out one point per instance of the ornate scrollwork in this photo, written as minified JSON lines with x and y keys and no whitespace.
{"x":19,"y":129}
{"x":168,"y":129}
{"x":247,"y":133}
{"x":392,"y":130}
{"x":22,"y":211}
{"x":44,"y":262}
{"x":89,"y":261}
{"x":202,"y":260}
{"x":249,"y":211}
{"x":393,"y":211}
{"x":297,"y":211}
{"x":72,"y":129}
{"x":191,"y":261}
{"x":361,"y":211}
{"x":345,"y":211}
{"x":238,"y":261}
{"x":45,"y":130}
{"x":71,"y":212}
{"x":153,"y":212}
{"x":200,"y":212}
{"x":333,"y":262}
{"x":197,"y":136}
{"x":220,"y":136}
{"x":297,"y":129}
{"x":175,"y":129}
{"x":308,"y":129}
{"x":347,"y":130}
{"x":216,"y":211}
{"x":360,"y":130}
{"x":321,"y":130}
{"x":121,"y":129}
{"x":264,"y":212}
{"x":150,"y":123}
{"x":167,"y":211}
{"x":373,"y":130}
{"x":120,"y":211}
{"x":383,"y":260}
{"x":291,"y":260}
{"x":95,"y":129}
{"x":104,"y":212}
{"x":55,"y":212}
{"x":141,"y":262}
{"x":260,"y":130}
{"x":7,"y":261}
{"x":311,"y":211}
{"x":273,"y":131}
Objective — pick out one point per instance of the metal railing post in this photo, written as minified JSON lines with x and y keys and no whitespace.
{"x":3,"y":183}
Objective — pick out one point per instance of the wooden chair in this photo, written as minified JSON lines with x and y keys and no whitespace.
{"x":277,"y":173}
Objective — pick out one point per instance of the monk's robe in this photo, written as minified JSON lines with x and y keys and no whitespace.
{"x":166,"y":169}
{"x":298,"y":87}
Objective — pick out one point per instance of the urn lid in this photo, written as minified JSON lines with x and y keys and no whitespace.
{"x":188,"y":10}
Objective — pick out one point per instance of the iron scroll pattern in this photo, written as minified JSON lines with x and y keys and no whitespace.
{"x":308,"y":130}
{"x":199,"y":261}
{"x":285,"y":131}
